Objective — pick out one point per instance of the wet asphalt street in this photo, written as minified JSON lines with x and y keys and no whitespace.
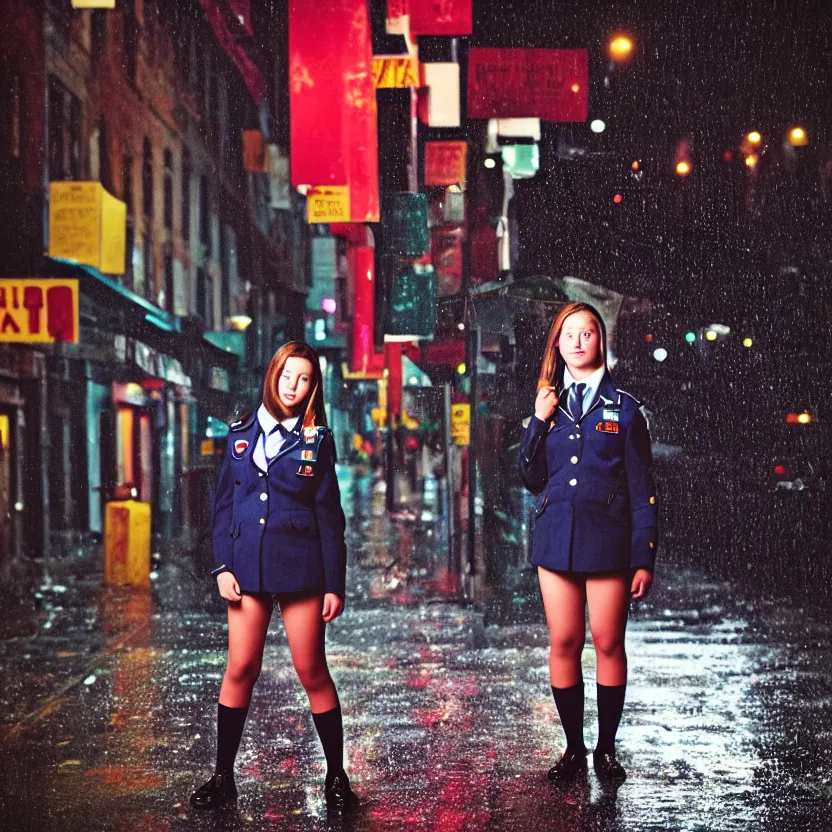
{"x":109,"y":698}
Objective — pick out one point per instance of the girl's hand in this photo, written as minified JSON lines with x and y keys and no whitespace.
{"x":545,"y":403}
{"x":229,"y":588}
{"x":333,"y":607}
{"x":642,"y":581}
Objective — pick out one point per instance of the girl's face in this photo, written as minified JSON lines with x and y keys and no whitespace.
{"x":294,"y":382}
{"x":580,"y":342}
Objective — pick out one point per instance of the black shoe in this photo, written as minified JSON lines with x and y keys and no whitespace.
{"x":607,"y":767}
{"x":339,"y":796}
{"x":218,"y":791}
{"x":570,"y":766}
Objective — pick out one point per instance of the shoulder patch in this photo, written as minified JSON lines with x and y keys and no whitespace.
{"x":243,"y":422}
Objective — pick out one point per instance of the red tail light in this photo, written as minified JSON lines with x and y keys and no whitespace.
{"x":779,"y":470}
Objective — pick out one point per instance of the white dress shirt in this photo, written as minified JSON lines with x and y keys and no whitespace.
{"x":271,"y":440}
{"x":592,"y":382}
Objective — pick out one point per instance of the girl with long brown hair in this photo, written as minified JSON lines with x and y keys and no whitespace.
{"x":278,"y":532}
{"x":586,"y":452}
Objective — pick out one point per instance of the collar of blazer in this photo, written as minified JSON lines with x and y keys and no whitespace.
{"x":607,"y":395}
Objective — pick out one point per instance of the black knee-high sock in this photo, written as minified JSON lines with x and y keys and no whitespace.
{"x":610,"y":708}
{"x":570,"y":705}
{"x":230,"y":722}
{"x":330,"y":728}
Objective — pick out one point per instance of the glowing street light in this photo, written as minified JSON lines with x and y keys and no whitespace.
{"x":797,"y":137}
{"x":620,"y":48}
{"x":751,"y":160}
{"x":711,"y":335}
{"x":747,"y":343}
{"x":597,"y":126}
{"x":754,"y":137}
{"x":683,"y":167}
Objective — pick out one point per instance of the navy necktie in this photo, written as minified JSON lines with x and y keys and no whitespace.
{"x":285,"y":433}
{"x":576,"y":401}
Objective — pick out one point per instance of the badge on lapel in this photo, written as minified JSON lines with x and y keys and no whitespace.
{"x":308,"y":456}
{"x":240,"y":447}
{"x":609,"y":415}
{"x":310,"y":435}
{"x":607,"y":427}
{"x":306,"y":471}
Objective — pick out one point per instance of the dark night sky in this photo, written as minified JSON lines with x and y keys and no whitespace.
{"x":708,"y":66}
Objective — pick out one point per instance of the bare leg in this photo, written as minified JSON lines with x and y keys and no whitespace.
{"x":248,"y":622}
{"x":305,"y":630}
{"x":564,"y":600}
{"x":608,"y":597}
{"x":609,"y":604}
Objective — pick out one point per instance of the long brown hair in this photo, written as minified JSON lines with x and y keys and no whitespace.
{"x":312,"y":407}
{"x":551,"y":371}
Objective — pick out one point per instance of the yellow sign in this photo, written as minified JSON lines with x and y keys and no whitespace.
{"x":461,"y":424}
{"x":93,"y":4}
{"x":395,"y":71}
{"x":38,"y":311}
{"x":87,"y":224}
{"x":206,"y":447}
{"x":328,"y":204}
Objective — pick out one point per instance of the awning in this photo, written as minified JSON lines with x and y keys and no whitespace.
{"x":106,"y":290}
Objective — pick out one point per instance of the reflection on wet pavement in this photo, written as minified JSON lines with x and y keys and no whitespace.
{"x":109,"y":700}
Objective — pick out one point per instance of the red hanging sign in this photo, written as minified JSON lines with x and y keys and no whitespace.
{"x":446,"y":256}
{"x":445,"y":163}
{"x":332,"y":102}
{"x":440,"y":17}
{"x":550,"y":84}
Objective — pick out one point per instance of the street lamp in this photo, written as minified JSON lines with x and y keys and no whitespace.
{"x":754,"y":137}
{"x":797,"y":137}
{"x":683,"y":167}
{"x":620,"y":48}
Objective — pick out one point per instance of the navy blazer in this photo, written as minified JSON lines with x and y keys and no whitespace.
{"x":597,"y":507}
{"x":281,"y":530}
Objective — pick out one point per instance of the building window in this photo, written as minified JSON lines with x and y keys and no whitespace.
{"x":204,"y":299}
{"x":104,"y":167}
{"x":149,"y":281}
{"x":147,"y":179}
{"x":130,"y":228}
{"x":64,"y":133}
{"x":168,"y":189}
{"x":186,"y":195}
{"x":131,"y":41}
{"x":204,"y":213}
{"x":99,"y":33}
{"x":11,"y":118}
{"x":168,"y":278}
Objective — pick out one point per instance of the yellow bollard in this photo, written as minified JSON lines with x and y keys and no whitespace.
{"x":127,"y":543}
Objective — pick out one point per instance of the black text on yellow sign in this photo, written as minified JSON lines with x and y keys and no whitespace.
{"x":461,"y":424}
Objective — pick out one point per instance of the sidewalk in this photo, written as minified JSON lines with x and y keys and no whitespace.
{"x":109,"y":700}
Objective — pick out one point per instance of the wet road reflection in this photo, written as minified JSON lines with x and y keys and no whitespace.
{"x":109,"y":700}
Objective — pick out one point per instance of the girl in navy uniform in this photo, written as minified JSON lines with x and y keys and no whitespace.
{"x":586,"y":453}
{"x":278,"y":531}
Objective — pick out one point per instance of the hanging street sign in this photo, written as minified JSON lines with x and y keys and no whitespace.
{"x":38,"y":311}
{"x":328,"y":204}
